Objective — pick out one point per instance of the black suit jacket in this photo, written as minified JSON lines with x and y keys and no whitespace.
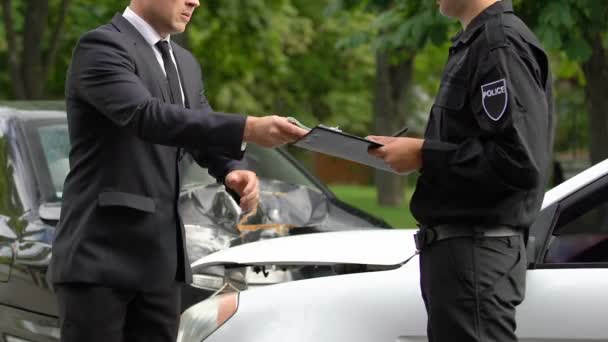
{"x":119,"y":224}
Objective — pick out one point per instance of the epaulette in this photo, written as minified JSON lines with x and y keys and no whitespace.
{"x":495,"y":32}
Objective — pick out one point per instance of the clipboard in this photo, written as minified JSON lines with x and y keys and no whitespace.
{"x":334,"y":142}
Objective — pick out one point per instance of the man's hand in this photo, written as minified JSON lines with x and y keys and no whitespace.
{"x":402,"y":154}
{"x":271,"y":131}
{"x":245,"y":183}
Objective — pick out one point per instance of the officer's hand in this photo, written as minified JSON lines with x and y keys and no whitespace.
{"x":402,"y":154}
{"x":245,"y":183}
{"x":381,"y":139}
{"x":271,"y":131}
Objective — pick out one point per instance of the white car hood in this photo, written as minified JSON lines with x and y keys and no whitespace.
{"x":368,"y":247}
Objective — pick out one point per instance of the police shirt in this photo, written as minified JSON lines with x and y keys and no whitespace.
{"x":488,"y":141}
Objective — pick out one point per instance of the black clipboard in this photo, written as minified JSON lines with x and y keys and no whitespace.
{"x":334,"y":142}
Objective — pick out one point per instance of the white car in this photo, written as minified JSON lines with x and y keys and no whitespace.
{"x":367,"y":289}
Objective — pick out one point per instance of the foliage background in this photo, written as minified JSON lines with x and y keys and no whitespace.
{"x":364,"y":65}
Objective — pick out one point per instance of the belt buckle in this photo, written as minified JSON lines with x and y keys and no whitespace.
{"x":418,"y":240}
{"x":424,"y":237}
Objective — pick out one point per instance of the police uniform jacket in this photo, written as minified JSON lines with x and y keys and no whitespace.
{"x":489,"y":137}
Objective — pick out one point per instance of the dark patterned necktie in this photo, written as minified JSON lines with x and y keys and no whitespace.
{"x":172,"y":77}
{"x":174,"y":88}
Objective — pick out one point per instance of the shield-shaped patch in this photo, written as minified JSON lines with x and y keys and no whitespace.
{"x":494,"y":98}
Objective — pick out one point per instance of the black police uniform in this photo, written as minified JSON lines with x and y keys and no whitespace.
{"x":486,"y":158}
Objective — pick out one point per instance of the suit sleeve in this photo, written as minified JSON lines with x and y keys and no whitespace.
{"x":508,"y":101}
{"x":218,"y":165}
{"x":106,"y":79}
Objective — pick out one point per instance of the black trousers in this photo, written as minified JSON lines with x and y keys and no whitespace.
{"x":94,"y":313}
{"x":471,"y":286}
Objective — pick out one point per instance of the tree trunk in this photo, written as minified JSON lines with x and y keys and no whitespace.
{"x":28,"y":63}
{"x":391,"y":106}
{"x":55,"y":39}
{"x":596,"y":73}
{"x":36,"y":16}
{"x":13,"y":50}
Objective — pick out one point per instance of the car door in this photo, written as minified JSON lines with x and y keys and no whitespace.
{"x":7,"y":239}
{"x":566,"y":297}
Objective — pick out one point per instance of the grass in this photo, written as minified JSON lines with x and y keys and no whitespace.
{"x":364,"y":198}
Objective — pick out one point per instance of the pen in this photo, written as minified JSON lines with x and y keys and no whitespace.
{"x":401,"y":132}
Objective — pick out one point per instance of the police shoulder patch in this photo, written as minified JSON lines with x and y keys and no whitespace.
{"x":494,"y":98}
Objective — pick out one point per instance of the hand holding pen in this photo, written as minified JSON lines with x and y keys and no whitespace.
{"x":402,"y":154}
{"x":384,"y":140}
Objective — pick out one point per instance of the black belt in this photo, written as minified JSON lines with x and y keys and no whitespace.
{"x":428,"y":235}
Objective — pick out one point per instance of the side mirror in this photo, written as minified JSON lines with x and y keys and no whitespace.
{"x":50,"y":212}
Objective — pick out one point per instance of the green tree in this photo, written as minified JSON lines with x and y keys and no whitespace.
{"x":36,"y":41}
{"x":25,"y":25}
{"x":245,"y":50}
{"x":263,"y":57}
{"x":402,"y":29}
{"x":334,"y":80}
{"x":579,"y":29}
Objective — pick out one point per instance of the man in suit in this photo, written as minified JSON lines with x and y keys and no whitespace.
{"x":135,"y":102}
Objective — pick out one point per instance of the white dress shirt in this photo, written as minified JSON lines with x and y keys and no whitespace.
{"x":152,"y":37}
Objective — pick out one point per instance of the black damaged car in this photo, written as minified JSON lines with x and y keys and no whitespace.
{"x":34,"y":147}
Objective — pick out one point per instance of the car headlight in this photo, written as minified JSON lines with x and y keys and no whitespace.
{"x":207,"y":282}
{"x":202,"y":319}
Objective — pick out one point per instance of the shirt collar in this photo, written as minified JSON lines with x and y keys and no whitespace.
{"x":500,"y":6}
{"x":145,"y":29}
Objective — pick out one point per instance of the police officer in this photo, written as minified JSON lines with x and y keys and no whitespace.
{"x":483,"y":165}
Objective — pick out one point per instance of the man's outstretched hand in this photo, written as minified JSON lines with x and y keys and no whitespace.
{"x":245,"y":183}
{"x":271,"y":131}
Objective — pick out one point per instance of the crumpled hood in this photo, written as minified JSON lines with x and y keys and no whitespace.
{"x":282,"y":206}
{"x":364,"y":247}
{"x":214,"y":221}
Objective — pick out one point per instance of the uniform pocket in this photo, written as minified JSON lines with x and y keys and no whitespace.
{"x":126,"y":200}
{"x":496,"y":259}
{"x":462,"y":261}
{"x":451,"y":96}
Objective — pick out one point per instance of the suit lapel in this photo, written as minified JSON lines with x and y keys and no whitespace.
{"x":142,"y":46}
{"x":188,"y":82}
